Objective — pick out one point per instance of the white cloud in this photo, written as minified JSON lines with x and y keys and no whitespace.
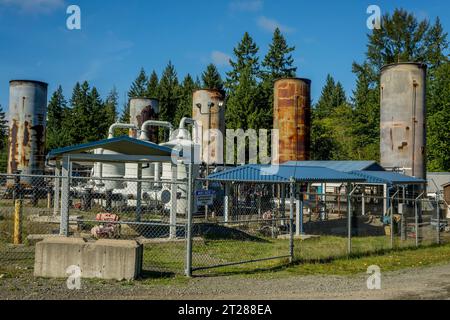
{"x":246,"y":5}
{"x":271,"y":24}
{"x":33,"y":6}
{"x":220,"y":58}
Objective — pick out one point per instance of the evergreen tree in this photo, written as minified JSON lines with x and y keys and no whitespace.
{"x":184,"y":108}
{"x":169,"y":95}
{"x":111,"y":104}
{"x":55,"y":120}
{"x":438,"y":140}
{"x":278,"y":63}
{"x":246,"y":59}
{"x":331,"y":119}
{"x":242,"y":103}
{"x":152,"y":86}
{"x":139,"y":86}
{"x":100,"y":121}
{"x":242,"y":111}
{"x":212,"y":79}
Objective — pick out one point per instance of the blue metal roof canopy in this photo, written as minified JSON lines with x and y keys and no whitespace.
{"x":388,"y":178}
{"x":283,"y":174}
{"x":343,"y":166}
{"x":129,"y":149}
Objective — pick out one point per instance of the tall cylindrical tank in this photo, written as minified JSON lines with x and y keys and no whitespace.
{"x":142,"y":110}
{"x":27,"y":123}
{"x":403,"y":114}
{"x":208,"y":109}
{"x":292,"y":119}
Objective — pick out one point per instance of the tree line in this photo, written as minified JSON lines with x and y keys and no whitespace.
{"x":343,"y":127}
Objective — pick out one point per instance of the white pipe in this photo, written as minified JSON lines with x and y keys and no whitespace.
{"x":122,"y":126}
{"x":154,"y":123}
{"x":185,"y":121}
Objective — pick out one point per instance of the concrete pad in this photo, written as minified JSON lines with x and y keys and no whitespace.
{"x":104,"y":259}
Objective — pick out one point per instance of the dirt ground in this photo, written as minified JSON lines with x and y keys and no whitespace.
{"x":423,"y":283}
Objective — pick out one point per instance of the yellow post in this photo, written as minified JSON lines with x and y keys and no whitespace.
{"x":18,"y":222}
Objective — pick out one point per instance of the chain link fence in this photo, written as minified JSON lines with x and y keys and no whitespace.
{"x":30,"y":211}
{"x":246,"y":227}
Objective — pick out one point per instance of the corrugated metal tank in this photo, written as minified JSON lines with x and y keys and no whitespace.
{"x":141,"y":110}
{"x":27,"y":125}
{"x":208,"y":109}
{"x":292,"y":118}
{"x":403,"y":114}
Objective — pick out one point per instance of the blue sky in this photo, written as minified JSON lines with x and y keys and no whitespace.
{"x":119,"y":37}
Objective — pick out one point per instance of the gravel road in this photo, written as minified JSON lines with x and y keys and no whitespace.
{"x":424,"y":283}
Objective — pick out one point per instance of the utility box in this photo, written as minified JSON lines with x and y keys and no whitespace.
{"x":103,"y":259}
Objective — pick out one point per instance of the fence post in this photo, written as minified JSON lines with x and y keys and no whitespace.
{"x":291,"y":222}
{"x":57,"y":185}
{"x":438,"y":240}
{"x":416,"y":217}
{"x":18,"y":207}
{"x":392,"y":203}
{"x":189,"y":223}
{"x":349,"y":220}
{"x":65,"y":195}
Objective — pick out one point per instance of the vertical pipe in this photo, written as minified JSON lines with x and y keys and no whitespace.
{"x":18,"y":221}
{"x":173,"y":207}
{"x":291,"y":223}
{"x":189,"y":223}
{"x":416,"y":223}
{"x":349,"y":219}
{"x":139,"y":193}
{"x":298,"y":210}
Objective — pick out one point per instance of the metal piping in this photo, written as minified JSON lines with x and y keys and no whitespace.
{"x":154,"y":123}
{"x":121,"y":126}
{"x":185,"y":121}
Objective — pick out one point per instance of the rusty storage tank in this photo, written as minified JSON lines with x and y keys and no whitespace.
{"x":292,"y":119}
{"x":141,"y":110}
{"x":403,"y":114}
{"x":208,"y":109}
{"x":27,"y":123}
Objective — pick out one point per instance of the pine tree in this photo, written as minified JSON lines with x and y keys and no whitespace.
{"x":111,"y":104}
{"x":55,"y":119}
{"x":328,"y":116}
{"x":366,"y":115}
{"x":152,"y":86}
{"x":246,"y":59}
{"x":212,"y":79}
{"x":242,"y":112}
{"x":438,"y":149}
{"x":184,"y":108}
{"x":169,"y":95}
{"x":242,"y":103}
{"x":139,"y":86}
{"x":278,"y":63}
{"x":98,"y":124}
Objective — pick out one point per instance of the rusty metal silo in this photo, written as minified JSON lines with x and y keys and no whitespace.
{"x":292,"y":119}
{"x":141,"y":110}
{"x":27,"y":123}
{"x":403,"y":118}
{"x":208,"y":109}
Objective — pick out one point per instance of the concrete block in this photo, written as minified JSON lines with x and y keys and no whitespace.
{"x":104,"y":259}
